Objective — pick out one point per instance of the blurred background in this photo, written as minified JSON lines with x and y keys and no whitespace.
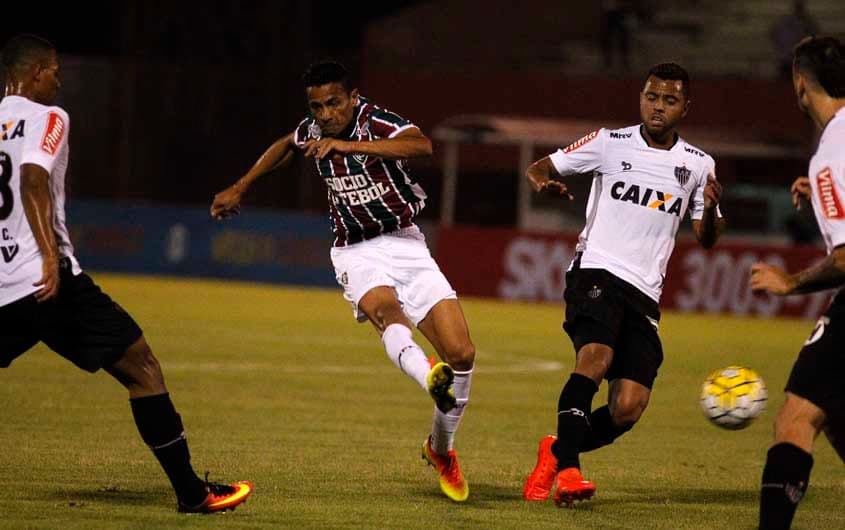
{"x":170,"y":102}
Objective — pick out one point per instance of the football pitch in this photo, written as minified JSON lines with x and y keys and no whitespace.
{"x":281,"y":387}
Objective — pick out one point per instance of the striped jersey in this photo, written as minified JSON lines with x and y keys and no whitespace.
{"x":31,"y":134}
{"x":368,"y":195}
{"x":638,"y":198}
{"x":827,"y":182}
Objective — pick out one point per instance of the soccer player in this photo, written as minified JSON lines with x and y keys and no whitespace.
{"x":645,"y":179}
{"x":815,"y":392}
{"x":379,"y":255}
{"x":46,"y":297}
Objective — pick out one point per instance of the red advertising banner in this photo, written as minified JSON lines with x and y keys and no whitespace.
{"x":518,"y":265}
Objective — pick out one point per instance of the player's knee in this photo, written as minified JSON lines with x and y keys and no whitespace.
{"x":462,"y":356}
{"x":594,"y":360}
{"x":387,"y":314}
{"x":627,"y":410}
{"x":140,"y":369}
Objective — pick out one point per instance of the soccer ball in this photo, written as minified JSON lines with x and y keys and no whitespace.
{"x":732,"y":397}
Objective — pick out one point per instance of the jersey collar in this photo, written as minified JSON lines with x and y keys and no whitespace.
{"x":641,"y":138}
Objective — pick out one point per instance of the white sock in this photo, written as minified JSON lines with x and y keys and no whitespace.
{"x":446,"y":424}
{"x":405,"y":353}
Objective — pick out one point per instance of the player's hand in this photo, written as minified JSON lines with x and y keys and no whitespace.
{"x":319,"y":149}
{"x":227,"y":203}
{"x":771,"y":279}
{"x":800,"y":191}
{"x":557,"y":188}
{"x":712,"y":192}
{"x":49,"y":281}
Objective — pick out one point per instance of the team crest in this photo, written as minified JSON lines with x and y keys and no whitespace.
{"x":363,"y":128}
{"x":314,"y":131}
{"x":360,"y":158}
{"x":682,"y":174}
{"x":594,"y":293}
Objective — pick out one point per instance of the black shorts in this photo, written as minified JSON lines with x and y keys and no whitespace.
{"x":82,"y":324}
{"x":818,"y":374}
{"x":603,"y":309}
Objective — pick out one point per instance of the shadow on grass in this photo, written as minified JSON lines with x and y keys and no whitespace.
{"x":682,"y":496}
{"x":77,"y":497}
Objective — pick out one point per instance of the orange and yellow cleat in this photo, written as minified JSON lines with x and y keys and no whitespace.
{"x":540,"y":481}
{"x":572,"y":487}
{"x":220,"y":497}
{"x":452,"y":482}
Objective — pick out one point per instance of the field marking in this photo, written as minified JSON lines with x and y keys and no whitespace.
{"x":518,"y":363}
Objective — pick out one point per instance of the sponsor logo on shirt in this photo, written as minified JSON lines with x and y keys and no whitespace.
{"x":626,"y":166}
{"x":689,"y":149}
{"x":12,"y":131}
{"x":53,"y":134}
{"x":649,"y":198}
{"x":620,"y":136}
{"x":829,"y":198}
{"x":579,"y":143}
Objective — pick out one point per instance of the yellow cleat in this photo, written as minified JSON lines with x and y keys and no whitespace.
{"x":452,"y":482}
{"x":439,"y":381}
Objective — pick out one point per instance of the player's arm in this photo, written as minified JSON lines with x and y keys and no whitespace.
{"x":580,"y":157}
{"x":543,"y":175}
{"x":228,"y":202}
{"x":38,"y":207}
{"x":829,"y":274}
{"x":708,"y":229}
{"x":409,"y":143}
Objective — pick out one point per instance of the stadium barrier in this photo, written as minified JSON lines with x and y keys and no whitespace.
{"x":264,"y":245}
{"x":521,"y":265}
{"x":293,"y":248}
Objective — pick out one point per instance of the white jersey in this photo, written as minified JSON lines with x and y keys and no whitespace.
{"x":827,"y":180}
{"x":638,"y":198}
{"x":31,"y":134}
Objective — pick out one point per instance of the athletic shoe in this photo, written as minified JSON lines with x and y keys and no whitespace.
{"x":540,"y":481}
{"x":220,"y":497}
{"x":452,"y":481}
{"x":572,"y":487}
{"x":439,"y":381}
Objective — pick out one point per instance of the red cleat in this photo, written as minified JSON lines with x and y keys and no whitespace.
{"x":572,"y":487}
{"x":539,"y":482}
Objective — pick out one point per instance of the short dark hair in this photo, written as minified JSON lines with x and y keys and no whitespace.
{"x":26,"y":49}
{"x":823,"y":59}
{"x":673,"y":72}
{"x":325,"y":72}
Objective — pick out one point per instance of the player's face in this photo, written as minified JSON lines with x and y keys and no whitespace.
{"x":662,"y":105}
{"x":332,"y":106}
{"x":46,"y":81}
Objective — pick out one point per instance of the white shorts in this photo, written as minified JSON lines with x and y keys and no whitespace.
{"x":399,"y":261}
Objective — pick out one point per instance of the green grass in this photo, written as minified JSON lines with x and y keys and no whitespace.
{"x":280,"y":386}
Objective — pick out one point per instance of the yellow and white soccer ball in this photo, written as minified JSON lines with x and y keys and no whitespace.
{"x":732,"y":397}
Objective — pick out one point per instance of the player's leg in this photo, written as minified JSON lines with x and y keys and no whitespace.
{"x":382,"y":308}
{"x":446,"y":328}
{"x":814,"y":397}
{"x":789,"y":461}
{"x":627,"y":400}
{"x":94,"y":332}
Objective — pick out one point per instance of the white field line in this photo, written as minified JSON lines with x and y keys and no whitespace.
{"x":506,"y":362}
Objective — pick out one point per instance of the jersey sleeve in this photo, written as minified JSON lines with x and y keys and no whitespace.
{"x":46,"y":138}
{"x":830,"y":186}
{"x":696,"y":209}
{"x":386,"y":124}
{"x":581,"y":156}
{"x":301,"y":133}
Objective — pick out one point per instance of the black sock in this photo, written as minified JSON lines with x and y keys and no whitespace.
{"x":161,"y":428}
{"x":785,"y":479}
{"x":573,"y":422}
{"x":602,"y":430}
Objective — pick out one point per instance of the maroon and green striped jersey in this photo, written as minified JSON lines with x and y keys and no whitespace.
{"x":368,"y":195}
